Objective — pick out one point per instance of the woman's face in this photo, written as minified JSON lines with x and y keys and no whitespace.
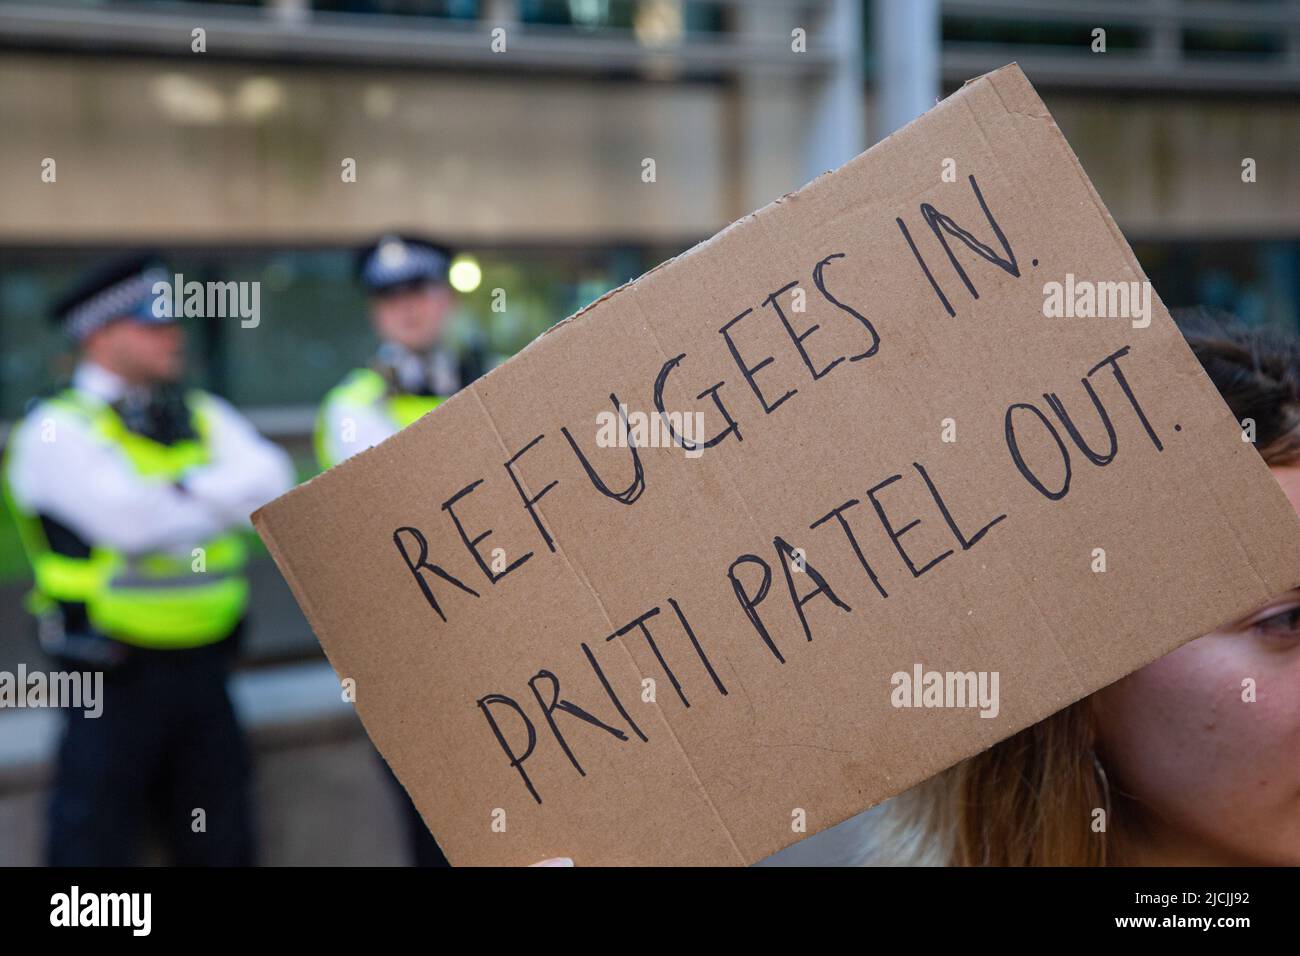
{"x":1216,"y":776}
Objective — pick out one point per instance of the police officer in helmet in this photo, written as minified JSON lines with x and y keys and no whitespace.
{"x":410,"y":302}
{"x":413,"y":370}
{"x":131,"y":493}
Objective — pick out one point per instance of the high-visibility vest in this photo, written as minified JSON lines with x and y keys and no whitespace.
{"x":363,"y":388}
{"x":152,"y":600}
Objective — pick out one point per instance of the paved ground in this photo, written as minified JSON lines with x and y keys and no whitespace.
{"x":322,"y":799}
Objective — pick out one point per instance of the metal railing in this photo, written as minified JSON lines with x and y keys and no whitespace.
{"x":1194,"y":45}
{"x":1204,"y":46}
{"x":295,"y":31}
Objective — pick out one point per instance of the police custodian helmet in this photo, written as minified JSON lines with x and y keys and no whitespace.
{"x":120,"y":288}
{"x":395,"y":262}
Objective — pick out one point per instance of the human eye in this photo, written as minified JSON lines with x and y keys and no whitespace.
{"x":1277,"y":624}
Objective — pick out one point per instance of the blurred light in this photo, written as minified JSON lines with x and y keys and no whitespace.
{"x":589,"y":14}
{"x":379,"y":100}
{"x":658,"y":23}
{"x":464,"y":274}
{"x":259,"y":97}
{"x":188,"y":100}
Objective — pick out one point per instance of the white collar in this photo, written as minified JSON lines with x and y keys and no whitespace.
{"x":435,"y":369}
{"x":99,"y":382}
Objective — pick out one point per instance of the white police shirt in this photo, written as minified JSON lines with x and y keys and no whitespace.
{"x":350,"y":428}
{"x":60,"y":469}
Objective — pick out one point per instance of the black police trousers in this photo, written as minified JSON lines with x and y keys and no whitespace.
{"x":165,"y":758}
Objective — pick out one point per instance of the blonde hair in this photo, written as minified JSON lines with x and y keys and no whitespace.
{"x":1032,"y":799}
{"x":1027,"y":801}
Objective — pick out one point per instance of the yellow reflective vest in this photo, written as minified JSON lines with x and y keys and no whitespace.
{"x":363,"y":388}
{"x":150,"y":600}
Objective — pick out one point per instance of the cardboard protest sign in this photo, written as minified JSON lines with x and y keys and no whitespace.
{"x":877,"y":476}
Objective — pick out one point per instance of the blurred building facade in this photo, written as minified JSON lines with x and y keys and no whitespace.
{"x":528,"y":149}
{"x":533,"y":156}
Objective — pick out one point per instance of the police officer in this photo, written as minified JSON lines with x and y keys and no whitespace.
{"x":410,"y":300}
{"x":130,"y":493}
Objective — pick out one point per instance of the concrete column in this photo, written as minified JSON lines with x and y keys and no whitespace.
{"x":906,"y":40}
{"x":837,"y":131}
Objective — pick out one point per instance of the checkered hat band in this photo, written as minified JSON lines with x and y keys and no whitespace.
{"x":129,"y":297}
{"x":416,"y":263}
